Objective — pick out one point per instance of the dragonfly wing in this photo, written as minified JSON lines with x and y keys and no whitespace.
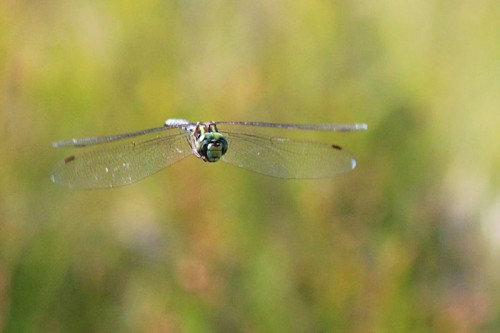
{"x":306,"y":127}
{"x":287,"y":158}
{"x":121,"y":164}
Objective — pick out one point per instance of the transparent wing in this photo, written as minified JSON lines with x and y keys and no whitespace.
{"x":84,"y":142}
{"x":307,"y":127}
{"x":286,"y":158}
{"x":121,"y":164}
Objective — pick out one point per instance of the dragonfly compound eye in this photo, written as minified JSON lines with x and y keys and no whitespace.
{"x":213,"y":146}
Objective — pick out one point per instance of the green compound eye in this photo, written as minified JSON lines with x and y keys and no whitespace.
{"x":212,"y":146}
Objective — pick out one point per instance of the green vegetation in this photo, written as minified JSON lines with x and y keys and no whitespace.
{"x":407,"y":242}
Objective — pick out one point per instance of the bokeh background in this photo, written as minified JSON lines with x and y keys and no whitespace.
{"x":407,"y":242}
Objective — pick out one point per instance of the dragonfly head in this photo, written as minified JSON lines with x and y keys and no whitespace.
{"x":211,"y":146}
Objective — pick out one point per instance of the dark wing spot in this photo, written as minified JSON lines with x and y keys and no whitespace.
{"x":336,"y":147}
{"x":69,"y":159}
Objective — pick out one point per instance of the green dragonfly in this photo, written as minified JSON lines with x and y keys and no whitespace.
{"x":127,"y":158}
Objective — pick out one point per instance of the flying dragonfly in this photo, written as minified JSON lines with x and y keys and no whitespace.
{"x":124,"y":159}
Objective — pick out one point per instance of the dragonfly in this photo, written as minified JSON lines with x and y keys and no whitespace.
{"x":123,"y":159}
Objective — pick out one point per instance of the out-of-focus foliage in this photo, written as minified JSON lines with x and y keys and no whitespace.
{"x":409,"y":241}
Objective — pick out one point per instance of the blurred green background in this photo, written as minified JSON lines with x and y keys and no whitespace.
{"x":407,"y":242}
